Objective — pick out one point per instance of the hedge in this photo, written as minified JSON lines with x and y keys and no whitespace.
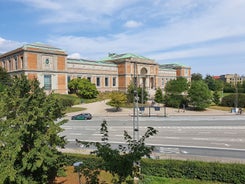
{"x":209,"y":171}
{"x":229,"y":100}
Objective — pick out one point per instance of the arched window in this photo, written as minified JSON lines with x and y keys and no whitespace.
{"x":143,"y":71}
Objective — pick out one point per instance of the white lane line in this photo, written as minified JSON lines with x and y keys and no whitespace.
{"x":200,"y":139}
{"x":75,"y":134}
{"x":171,"y":138}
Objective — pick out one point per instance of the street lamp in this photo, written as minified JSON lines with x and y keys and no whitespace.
{"x":76,"y":166}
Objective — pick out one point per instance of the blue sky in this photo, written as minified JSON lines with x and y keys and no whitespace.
{"x":208,"y":35}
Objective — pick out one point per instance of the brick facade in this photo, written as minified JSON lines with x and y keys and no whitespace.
{"x":54,"y":70}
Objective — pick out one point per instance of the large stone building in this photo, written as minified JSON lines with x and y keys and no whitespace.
{"x":232,"y":78}
{"x":54,"y":70}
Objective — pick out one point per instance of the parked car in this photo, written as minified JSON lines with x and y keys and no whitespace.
{"x":82,"y":116}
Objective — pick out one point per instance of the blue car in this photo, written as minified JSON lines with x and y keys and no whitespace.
{"x":82,"y":116}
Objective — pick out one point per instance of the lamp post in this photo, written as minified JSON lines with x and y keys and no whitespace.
{"x":136,"y":107}
{"x":236,"y":96}
{"x":76,"y":166}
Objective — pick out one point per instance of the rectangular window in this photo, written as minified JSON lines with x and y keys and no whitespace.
{"x":16,"y":63}
{"x":163,"y":81}
{"x":97,"y":81}
{"x":186,"y":72}
{"x":9,"y":65}
{"x":21,"y":62}
{"x":89,"y":79}
{"x":68,"y":78}
{"x":47,"y":82}
{"x":106,"y":81}
{"x":114,"y":82}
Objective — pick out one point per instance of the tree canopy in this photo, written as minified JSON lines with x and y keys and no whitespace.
{"x":196,"y":76}
{"x":213,"y":84}
{"x":83,"y":88}
{"x":29,"y":134}
{"x":118,"y":99}
{"x":177,"y":86}
{"x":158,"y":96}
{"x":199,"y":95}
{"x":142,"y":93}
{"x":4,"y":79}
{"x":175,"y":92}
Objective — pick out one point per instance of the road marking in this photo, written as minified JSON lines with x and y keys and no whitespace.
{"x":169,"y":150}
{"x":171,"y":137}
{"x":76,"y":134}
{"x":200,"y":139}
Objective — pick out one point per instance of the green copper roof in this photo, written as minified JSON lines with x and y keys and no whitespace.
{"x":42,"y":46}
{"x":91,"y":62}
{"x":114,"y":56}
{"x":172,"y":65}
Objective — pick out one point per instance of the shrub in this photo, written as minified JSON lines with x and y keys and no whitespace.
{"x":213,"y":171}
{"x":229,"y":100}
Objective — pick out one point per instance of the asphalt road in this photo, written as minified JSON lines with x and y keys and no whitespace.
{"x":183,"y":136}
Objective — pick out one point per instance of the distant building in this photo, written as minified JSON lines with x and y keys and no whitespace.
{"x":54,"y":70}
{"x":216,"y":77}
{"x":232,"y":78}
{"x":181,"y":70}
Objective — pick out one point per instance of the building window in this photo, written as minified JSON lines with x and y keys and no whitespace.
{"x":186,"y":72}
{"x":163,"y":81}
{"x":68,"y":78}
{"x":114,"y":82}
{"x":106,"y":81}
{"x":47,"y":82}
{"x":89,"y":79}
{"x":16,"y":63}
{"x":97,"y":81}
{"x":21,"y":62}
{"x":9,"y":65}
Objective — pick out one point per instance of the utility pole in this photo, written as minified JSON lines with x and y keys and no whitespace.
{"x":136,"y":122}
{"x":136,"y":107}
{"x":236,"y":99}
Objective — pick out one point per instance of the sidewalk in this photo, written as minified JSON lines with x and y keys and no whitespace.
{"x":102,"y":109}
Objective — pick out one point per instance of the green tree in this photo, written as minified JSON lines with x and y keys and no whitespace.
{"x":122,"y":161}
{"x":216,"y":98}
{"x":229,"y":88}
{"x":83,"y":88}
{"x":199,"y":95}
{"x":230,"y":100}
{"x":130,"y":92}
{"x":175,"y":92}
{"x":118,"y":99}
{"x":158,"y":96}
{"x":29,"y":134}
{"x":177,"y":86}
{"x":4,"y":79}
{"x":196,"y":76}
{"x":141,"y":92}
{"x":210,"y":82}
{"x":214,"y":84}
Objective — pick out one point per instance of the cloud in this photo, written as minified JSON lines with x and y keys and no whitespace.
{"x":8,"y":45}
{"x":41,"y":4}
{"x":169,"y":29}
{"x":75,"y":56}
{"x":132,"y":24}
{"x":83,"y":11}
